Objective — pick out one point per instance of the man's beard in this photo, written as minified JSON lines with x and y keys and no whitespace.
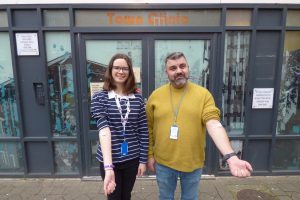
{"x":180,"y":82}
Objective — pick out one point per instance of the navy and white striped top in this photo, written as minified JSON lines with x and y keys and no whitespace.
{"x":104,"y":109}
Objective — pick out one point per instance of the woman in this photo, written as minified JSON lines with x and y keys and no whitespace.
{"x":123,"y":132}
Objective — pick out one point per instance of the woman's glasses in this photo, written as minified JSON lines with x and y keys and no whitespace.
{"x":124,"y":69}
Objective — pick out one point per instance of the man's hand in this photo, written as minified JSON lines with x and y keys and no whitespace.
{"x":109,"y":184}
{"x":141,"y":169}
{"x":239,"y":168}
{"x":151,"y":164}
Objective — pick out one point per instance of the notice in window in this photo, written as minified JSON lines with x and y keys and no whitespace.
{"x":262,"y":98}
{"x":96,"y":87}
{"x":137,"y":74}
{"x":27,"y":44}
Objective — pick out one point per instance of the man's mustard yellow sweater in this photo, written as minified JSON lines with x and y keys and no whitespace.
{"x":187,"y":153}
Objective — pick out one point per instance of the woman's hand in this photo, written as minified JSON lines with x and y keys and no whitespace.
{"x":141,"y":170}
{"x":109,"y":184}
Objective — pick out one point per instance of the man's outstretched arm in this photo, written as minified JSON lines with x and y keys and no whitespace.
{"x":238,"y":167}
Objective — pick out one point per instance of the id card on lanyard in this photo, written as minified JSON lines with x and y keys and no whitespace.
{"x":174,"y":130}
{"x":124,"y":144}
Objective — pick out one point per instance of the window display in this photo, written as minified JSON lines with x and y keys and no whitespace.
{"x":61,"y":84}
{"x":237,"y":44}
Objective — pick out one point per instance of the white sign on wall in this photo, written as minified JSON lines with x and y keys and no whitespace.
{"x":27,"y":44}
{"x":262,"y":98}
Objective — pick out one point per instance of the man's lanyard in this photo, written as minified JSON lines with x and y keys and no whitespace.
{"x":123,"y":119}
{"x":175,"y":112}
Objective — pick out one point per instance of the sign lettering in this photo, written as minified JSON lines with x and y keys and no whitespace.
{"x":152,"y":19}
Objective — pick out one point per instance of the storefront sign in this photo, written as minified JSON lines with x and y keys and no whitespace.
{"x":262,"y":98}
{"x":148,"y":18}
{"x":27,"y":44}
{"x":153,"y":18}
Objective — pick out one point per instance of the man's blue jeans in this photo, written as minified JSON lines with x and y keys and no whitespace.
{"x":167,"y":182}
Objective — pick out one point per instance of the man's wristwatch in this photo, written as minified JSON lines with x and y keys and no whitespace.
{"x":227,"y":156}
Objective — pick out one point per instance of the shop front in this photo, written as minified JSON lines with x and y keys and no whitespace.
{"x":53,"y":59}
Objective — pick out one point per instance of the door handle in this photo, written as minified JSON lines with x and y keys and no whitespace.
{"x":39,"y":93}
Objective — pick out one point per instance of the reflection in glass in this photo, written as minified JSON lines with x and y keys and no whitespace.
{"x":98,"y":55}
{"x":11,"y":157}
{"x":288,"y":117}
{"x":94,"y":147}
{"x":61,"y":84}
{"x":9,"y":122}
{"x":3,"y":19}
{"x":293,"y":17}
{"x":238,"y":17}
{"x":234,"y":80}
{"x":196,"y":53}
{"x":66,"y":157}
{"x":56,"y":17}
{"x":286,"y":155}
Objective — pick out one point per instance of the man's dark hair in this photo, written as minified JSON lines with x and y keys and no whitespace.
{"x":174,"y":56}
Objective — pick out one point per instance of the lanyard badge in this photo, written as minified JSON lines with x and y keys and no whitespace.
{"x":124,"y":144}
{"x":174,"y":130}
{"x":124,"y":148}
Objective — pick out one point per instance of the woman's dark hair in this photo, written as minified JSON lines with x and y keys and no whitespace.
{"x":109,"y":83}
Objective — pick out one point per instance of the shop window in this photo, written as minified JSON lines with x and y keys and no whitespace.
{"x":286,"y":155}
{"x":288,"y":117}
{"x":198,"y":63}
{"x":25,"y":18}
{"x":3,"y":19}
{"x":98,"y":55}
{"x":66,"y":157}
{"x":205,"y":18}
{"x":237,"y":44}
{"x":269,"y":17}
{"x":293,"y":17}
{"x":238,"y":18}
{"x":258,"y":152}
{"x":54,"y":18}
{"x":11,"y":157}
{"x":9,"y":121}
{"x":61,"y":84}
{"x":88,"y":18}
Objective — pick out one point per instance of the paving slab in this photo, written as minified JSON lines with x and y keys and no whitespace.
{"x":216,"y":188}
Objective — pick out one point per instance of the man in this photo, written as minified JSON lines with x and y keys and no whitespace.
{"x":178,"y":114}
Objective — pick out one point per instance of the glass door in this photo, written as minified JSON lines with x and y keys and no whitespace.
{"x":196,"y":52}
{"x":148,"y":53}
{"x":97,"y":53}
{"x":199,"y":50}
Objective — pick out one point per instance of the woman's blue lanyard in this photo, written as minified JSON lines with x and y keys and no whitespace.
{"x":123,"y":119}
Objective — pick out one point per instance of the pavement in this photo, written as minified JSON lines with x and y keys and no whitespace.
{"x":211,"y":188}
